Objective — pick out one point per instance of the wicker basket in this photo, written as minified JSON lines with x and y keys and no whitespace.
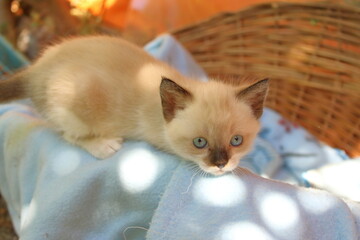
{"x":310,"y":50}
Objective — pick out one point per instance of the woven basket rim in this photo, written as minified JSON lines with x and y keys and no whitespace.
{"x":276,"y":4}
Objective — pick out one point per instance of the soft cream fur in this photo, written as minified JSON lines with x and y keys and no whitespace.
{"x":99,"y":90}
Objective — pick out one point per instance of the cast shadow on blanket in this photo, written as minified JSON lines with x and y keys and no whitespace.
{"x":57,"y":191}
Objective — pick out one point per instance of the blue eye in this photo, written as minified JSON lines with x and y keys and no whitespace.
{"x":200,"y":142}
{"x":236,"y":140}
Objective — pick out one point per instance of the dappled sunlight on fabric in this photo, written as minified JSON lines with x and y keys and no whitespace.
{"x":244,"y":230}
{"x":224,"y":191}
{"x":66,"y":162}
{"x":316,"y":205}
{"x":138,"y":170}
{"x":279,"y":212}
{"x":28,"y":214}
{"x":342,"y":179}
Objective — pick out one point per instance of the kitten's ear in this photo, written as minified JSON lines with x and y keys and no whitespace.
{"x":255,"y":95}
{"x":173,"y":98}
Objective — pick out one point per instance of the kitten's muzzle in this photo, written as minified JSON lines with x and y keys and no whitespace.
{"x":219,"y":157}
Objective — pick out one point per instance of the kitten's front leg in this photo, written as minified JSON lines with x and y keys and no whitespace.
{"x":99,"y":147}
{"x":102,"y":147}
{"x":78,"y":132}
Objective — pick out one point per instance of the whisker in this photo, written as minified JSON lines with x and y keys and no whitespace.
{"x":242,"y":171}
{"x":194,"y":167}
{"x":204,"y":174}
{"x":237,"y":171}
{"x":191,"y":165}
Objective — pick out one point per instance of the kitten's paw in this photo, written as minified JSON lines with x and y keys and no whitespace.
{"x":102,"y":147}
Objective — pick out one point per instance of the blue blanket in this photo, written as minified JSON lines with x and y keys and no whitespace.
{"x":57,"y":191}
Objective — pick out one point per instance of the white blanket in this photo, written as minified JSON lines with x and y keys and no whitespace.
{"x":57,"y":191}
{"x":246,"y":206}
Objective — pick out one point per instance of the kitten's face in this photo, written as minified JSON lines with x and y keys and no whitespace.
{"x":214,"y":127}
{"x":215,"y":137}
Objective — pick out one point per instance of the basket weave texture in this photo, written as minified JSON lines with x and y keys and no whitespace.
{"x":311,"y":52}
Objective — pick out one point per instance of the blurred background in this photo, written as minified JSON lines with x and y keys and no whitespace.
{"x":31,"y":24}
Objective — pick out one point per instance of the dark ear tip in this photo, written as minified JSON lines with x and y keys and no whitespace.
{"x":264,"y":81}
{"x":165,"y":79}
{"x":166,"y":82}
{"x":263,"y":84}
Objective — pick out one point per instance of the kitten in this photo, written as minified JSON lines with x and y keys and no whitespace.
{"x":97,"y":91}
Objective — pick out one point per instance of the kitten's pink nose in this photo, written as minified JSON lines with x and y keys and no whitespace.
{"x":221,"y":163}
{"x":221,"y":166}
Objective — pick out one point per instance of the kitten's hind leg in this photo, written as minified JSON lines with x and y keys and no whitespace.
{"x":99,"y":147}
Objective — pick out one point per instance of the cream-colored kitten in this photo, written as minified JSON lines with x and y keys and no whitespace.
{"x":97,"y":91}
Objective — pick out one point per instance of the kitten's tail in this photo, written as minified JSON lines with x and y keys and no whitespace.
{"x":13,"y":88}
